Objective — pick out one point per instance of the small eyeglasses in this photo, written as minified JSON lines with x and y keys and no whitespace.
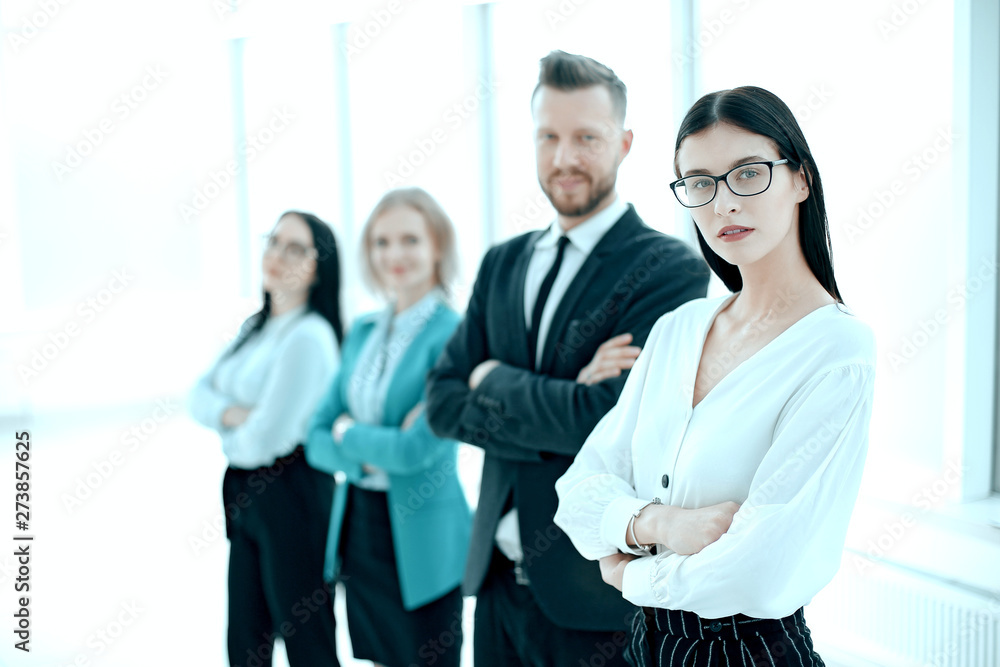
{"x":292,"y":252}
{"x":746,"y":180}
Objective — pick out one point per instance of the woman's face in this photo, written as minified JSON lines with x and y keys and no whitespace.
{"x":289,"y":264}
{"x":743,"y":230}
{"x":403,"y":255}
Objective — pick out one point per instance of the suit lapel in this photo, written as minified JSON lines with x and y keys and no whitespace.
{"x":403,"y":379}
{"x":519,"y":326}
{"x":621,"y":233}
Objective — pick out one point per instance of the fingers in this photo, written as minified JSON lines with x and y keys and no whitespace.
{"x":615,"y":355}
{"x":620,"y":352}
{"x":611,"y":358}
{"x":611,"y":364}
{"x":616,"y":341}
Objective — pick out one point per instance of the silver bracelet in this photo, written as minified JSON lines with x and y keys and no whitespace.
{"x":631,"y":525}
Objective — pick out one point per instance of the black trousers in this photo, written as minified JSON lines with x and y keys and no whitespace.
{"x":673,"y":638}
{"x":512,"y":630}
{"x":277,"y":519}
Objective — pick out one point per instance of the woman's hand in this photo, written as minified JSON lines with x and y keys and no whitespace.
{"x":340,"y":426}
{"x":411,"y":416}
{"x":687,"y":532}
{"x":613,"y":568}
{"x":234,"y":416}
{"x":612,"y":357}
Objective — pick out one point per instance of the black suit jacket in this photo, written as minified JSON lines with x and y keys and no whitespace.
{"x":532,"y":423}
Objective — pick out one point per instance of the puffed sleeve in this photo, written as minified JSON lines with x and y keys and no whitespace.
{"x":596,"y":494}
{"x":302,"y":371}
{"x":785,"y":542}
{"x":206,"y":404}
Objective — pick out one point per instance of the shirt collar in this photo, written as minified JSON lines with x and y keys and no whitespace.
{"x":417,"y":314}
{"x":586,"y":235}
{"x":279,"y":321}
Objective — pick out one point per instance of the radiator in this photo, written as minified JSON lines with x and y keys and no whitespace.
{"x":876,"y":614}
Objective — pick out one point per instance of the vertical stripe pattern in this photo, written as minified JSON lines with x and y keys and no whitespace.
{"x":673,"y":638}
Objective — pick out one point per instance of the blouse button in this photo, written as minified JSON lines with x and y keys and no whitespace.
{"x":715,"y":626}
{"x":665,"y":481}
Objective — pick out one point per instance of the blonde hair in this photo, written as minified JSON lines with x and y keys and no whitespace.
{"x":442,"y":232}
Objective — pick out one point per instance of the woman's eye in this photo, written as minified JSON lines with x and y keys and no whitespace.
{"x":381,"y":243}
{"x":748,"y":173}
{"x":410,"y":240}
{"x":702,"y":183}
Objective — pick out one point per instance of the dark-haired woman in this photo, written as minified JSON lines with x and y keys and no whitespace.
{"x":717,"y":493}
{"x":259,"y":397}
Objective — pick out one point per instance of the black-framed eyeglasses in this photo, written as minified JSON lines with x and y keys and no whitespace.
{"x":294,"y":252}
{"x":745,"y":180}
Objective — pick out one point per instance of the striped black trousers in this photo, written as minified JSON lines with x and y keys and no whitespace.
{"x":672,"y":638}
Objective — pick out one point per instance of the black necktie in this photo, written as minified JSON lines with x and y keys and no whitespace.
{"x":543,"y":294}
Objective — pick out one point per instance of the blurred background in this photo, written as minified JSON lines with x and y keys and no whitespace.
{"x":145,"y":148}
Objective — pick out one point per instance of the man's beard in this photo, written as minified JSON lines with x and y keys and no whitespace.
{"x":598,"y":192}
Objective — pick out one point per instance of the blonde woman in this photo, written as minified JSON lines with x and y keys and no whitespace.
{"x":400,"y":527}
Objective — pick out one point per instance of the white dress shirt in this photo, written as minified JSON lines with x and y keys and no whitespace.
{"x":280,"y":374}
{"x":582,"y":240}
{"x":784,"y":434}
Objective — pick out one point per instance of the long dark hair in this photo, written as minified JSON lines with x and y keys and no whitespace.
{"x":760,"y":111}
{"x":324,"y":294}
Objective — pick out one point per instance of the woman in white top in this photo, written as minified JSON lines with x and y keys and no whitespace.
{"x":717,"y":493}
{"x":259,"y":397}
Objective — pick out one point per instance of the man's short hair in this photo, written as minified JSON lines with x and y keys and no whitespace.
{"x":568,"y":72}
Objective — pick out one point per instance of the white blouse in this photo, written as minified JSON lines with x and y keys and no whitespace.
{"x":368,"y":386}
{"x":784,"y":434}
{"x":279,"y":374}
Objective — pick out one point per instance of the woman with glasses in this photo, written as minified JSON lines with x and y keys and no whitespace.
{"x":259,"y":397}
{"x":400,"y":527}
{"x":717,"y":493}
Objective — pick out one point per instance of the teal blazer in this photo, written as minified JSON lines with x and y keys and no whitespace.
{"x":430,"y":517}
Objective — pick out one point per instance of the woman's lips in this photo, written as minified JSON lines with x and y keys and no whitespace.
{"x":734,"y":233}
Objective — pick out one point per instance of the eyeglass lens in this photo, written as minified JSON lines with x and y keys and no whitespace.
{"x":291,"y":250}
{"x":745,"y":180}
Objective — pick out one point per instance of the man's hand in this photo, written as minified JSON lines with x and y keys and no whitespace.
{"x":613,"y":568}
{"x":480,"y":372}
{"x":612,"y":357}
{"x":234,"y":416}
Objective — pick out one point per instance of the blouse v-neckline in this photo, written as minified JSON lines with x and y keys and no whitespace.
{"x":770,"y":343}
